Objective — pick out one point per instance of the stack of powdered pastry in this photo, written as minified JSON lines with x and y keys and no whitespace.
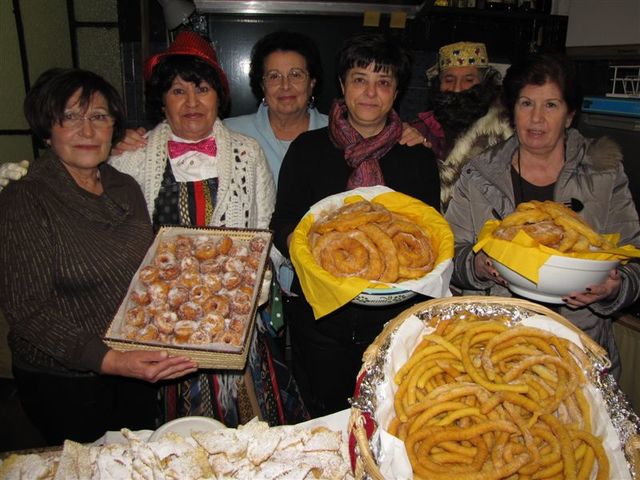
{"x":553,"y":225}
{"x":365,"y":240}
{"x":253,"y":450}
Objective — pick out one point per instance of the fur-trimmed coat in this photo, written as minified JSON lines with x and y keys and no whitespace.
{"x":484,"y":133}
{"x":592,"y":173}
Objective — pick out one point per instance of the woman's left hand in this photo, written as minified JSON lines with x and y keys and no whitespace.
{"x":411,"y":137}
{"x":151,"y":366}
{"x":134,"y":139}
{"x":607,"y":290}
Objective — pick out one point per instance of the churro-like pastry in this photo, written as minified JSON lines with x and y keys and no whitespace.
{"x":479,"y":399}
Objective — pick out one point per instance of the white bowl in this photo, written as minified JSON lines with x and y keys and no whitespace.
{"x":185,"y":425}
{"x":558,"y":277}
{"x":377,"y":297}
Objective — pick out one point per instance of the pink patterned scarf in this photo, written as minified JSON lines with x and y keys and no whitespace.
{"x":362,"y":154}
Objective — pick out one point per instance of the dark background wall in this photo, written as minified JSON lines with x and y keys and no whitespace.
{"x":508,"y":35}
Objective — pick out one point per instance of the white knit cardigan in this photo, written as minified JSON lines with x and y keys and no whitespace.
{"x":246,"y":190}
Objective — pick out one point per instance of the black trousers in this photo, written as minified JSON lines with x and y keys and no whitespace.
{"x":84,"y":408}
{"x":327,"y":353}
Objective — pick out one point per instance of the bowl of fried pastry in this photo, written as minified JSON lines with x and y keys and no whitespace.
{"x":559,"y":228}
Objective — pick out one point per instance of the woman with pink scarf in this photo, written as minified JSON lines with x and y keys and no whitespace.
{"x":359,"y":148}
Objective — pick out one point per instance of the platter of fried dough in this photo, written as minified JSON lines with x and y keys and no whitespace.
{"x":490,"y":388}
{"x":552,"y":224}
{"x":364,"y":239}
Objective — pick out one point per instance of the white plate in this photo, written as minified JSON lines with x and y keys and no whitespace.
{"x":376,"y":297}
{"x":185,"y":425}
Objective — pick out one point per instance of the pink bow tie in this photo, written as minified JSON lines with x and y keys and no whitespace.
{"x":207,"y":146}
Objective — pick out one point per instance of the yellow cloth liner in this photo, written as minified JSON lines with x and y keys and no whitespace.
{"x":525,"y":255}
{"x":326,"y":293}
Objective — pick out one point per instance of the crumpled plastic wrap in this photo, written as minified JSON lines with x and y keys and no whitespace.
{"x":624,"y":423}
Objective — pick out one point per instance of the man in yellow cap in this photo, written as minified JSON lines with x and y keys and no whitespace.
{"x":466,"y":117}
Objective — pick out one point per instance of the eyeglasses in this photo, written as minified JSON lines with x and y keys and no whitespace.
{"x":295,"y":76}
{"x":76,"y":120}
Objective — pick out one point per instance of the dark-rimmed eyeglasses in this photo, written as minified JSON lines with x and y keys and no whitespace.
{"x":295,"y":76}
{"x":97,"y":119}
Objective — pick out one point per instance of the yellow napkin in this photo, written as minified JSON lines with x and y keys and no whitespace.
{"x":525,"y":256}
{"x":326,"y":293}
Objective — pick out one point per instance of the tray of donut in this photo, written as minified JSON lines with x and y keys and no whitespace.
{"x":195,"y":294}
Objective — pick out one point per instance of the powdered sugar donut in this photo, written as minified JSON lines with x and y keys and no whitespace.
{"x":214,"y":321}
{"x":166,"y":246}
{"x":189,"y":311}
{"x":136,"y":317}
{"x":158,"y":291}
{"x":213,"y":281}
{"x":189,"y":279}
{"x":239,"y":251}
{"x":200,"y":337}
{"x":241,"y":303}
{"x":206,"y":250}
{"x":225,"y":244}
{"x":165,"y":321}
{"x":140,"y":295}
{"x":234,"y":264}
{"x":149,"y":274}
{"x":183,"y":331}
{"x":217,"y":304}
{"x":257,"y":244}
{"x":231,"y":280}
{"x":199,"y":294}
{"x":189,"y":264}
{"x":177,"y":296}
{"x":148,"y":333}
{"x":213,"y":265}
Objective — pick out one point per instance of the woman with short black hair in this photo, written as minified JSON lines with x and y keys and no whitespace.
{"x":359,"y":148}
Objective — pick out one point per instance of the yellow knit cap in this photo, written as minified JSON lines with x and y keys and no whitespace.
{"x":463,"y":54}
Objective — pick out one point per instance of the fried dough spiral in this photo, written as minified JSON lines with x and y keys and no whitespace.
{"x":365,"y":240}
{"x":352,"y":216}
{"x":551,"y":224}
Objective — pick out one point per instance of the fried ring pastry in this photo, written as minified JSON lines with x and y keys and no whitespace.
{"x":415,"y":253}
{"x":387,"y":249}
{"x":336,"y":247}
{"x":348,"y":254}
{"x":552,"y":224}
{"x":524,"y":217}
{"x":349,"y":221}
{"x":546,"y":232}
